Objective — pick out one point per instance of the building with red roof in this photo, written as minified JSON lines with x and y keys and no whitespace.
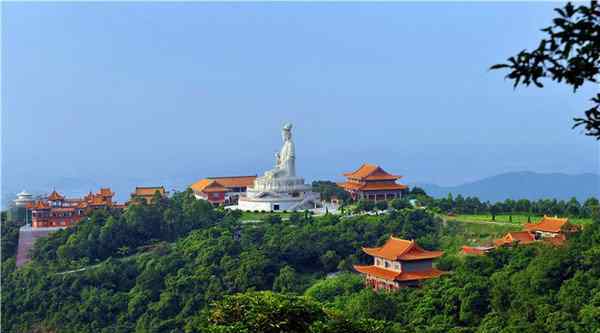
{"x":550,"y":227}
{"x":222,"y":190}
{"x":398,"y":263}
{"x":476,"y":250}
{"x":551,"y":230}
{"x":57,"y":211}
{"x":371,"y":182}
{"x":515,"y":238}
{"x":147,"y":193}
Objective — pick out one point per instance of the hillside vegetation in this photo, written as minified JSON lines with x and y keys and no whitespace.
{"x":182,"y":266}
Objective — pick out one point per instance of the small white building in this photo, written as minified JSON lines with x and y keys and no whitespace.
{"x":23,"y":199}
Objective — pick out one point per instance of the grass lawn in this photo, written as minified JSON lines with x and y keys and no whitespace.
{"x":259,"y":216}
{"x":455,"y":234}
{"x":516,"y":218}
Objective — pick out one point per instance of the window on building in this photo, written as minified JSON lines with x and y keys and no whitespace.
{"x":276,"y":207}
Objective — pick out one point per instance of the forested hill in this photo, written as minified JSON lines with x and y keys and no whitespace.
{"x":524,"y":185}
{"x":183,"y":266}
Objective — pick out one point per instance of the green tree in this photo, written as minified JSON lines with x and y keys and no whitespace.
{"x":381,"y":205}
{"x":367,"y":304}
{"x":286,"y":281}
{"x":330,"y":260}
{"x":365,"y":205}
{"x":344,"y":284}
{"x":568,"y":54}
{"x":264,"y":312}
{"x":400,"y":203}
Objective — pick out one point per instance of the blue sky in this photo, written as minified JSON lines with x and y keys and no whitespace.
{"x":121,"y":94}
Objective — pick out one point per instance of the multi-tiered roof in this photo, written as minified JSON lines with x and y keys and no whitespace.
{"x":402,"y":251}
{"x":371,"y":177}
{"x":58,"y":211}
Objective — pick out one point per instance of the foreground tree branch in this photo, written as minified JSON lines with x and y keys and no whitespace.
{"x":570,"y":53}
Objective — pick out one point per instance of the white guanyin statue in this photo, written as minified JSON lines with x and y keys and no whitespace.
{"x":285,"y":159}
{"x":280,"y":189}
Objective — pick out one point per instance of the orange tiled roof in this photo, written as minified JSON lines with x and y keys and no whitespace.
{"x":148,"y":191}
{"x":476,"y":250}
{"x":41,"y":205}
{"x":106,"y":192}
{"x":401,"y":249}
{"x":547,"y":224}
{"x":201,"y":184}
{"x":398,"y":276}
{"x":215,"y":188}
{"x":96,"y":200}
{"x":235,"y":181}
{"x":370,"y":172}
{"x":55,"y":196}
{"x":383,"y":186}
{"x":206,"y":183}
{"x":521,"y":237}
{"x":373,"y":186}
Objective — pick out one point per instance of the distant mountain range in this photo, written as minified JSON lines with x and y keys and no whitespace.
{"x":524,"y":185}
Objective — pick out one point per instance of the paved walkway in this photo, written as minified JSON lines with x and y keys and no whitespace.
{"x":27,"y":236}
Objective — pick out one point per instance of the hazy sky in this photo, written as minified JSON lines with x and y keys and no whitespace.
{"x":148,"y":92}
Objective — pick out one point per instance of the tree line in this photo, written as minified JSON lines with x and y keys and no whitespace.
{"x":472,"y":205}
{"x":459,"y":204}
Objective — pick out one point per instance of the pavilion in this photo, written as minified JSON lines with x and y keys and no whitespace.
{"x":399,"y":263}
{"x":371,"y":182}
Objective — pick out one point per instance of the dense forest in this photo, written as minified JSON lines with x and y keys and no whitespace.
{"x":184,"y":266}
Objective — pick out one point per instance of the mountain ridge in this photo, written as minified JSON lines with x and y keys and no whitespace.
{"x":523,"y":185}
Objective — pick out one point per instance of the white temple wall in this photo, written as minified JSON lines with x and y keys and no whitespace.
{"x":265,"y":205}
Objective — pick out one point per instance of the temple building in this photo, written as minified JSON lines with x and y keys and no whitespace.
{"x":222,"y":190}
{"x":147,"y":193}
{"x":58,"y":211}
{"x":549,"y":227}
{"x":399,"y":263}
{"x":551,"y":230}
{"x":371,"y":182}
{"x":515,"y":238}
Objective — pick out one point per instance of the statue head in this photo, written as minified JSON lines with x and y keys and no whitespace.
{"x":286,"y":132}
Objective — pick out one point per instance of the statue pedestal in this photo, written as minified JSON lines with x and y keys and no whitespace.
{"x":278,"y":194}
